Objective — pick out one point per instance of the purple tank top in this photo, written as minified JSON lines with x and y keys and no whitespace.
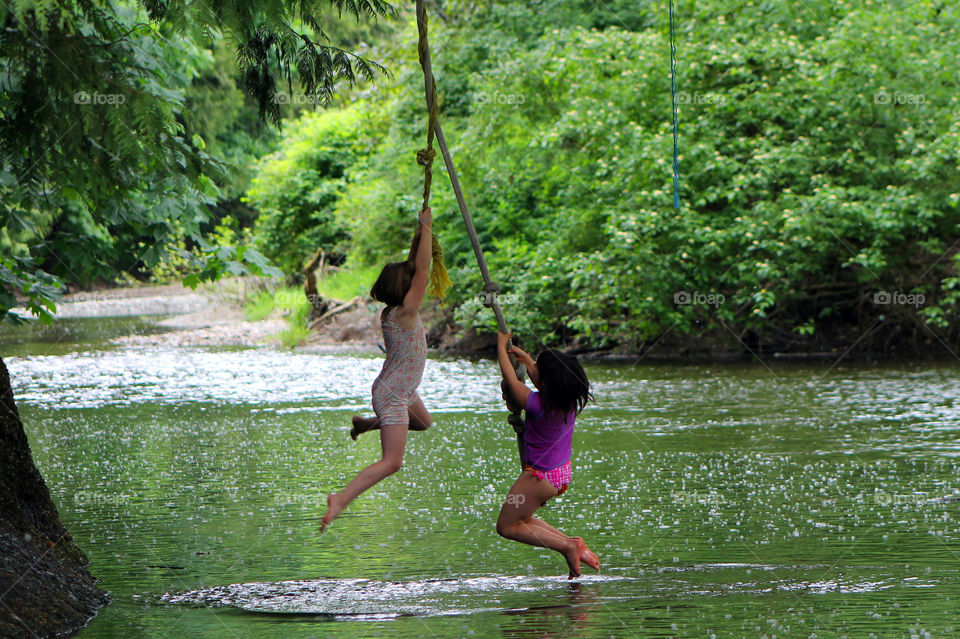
{"x":548,"y":438}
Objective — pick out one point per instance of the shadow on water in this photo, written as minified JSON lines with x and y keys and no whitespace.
{"x":648,"y":605}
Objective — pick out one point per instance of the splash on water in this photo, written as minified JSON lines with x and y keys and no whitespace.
{"x":366,"y":599}
{"x":370,"y":599}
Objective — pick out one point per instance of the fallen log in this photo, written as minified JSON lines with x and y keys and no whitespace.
{"x":335,"y":310}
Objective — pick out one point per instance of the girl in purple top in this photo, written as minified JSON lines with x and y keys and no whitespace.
{"x":563,"y":391}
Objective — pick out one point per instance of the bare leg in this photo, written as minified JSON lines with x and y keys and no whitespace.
{"x":393,"y":439}
{"x":420,"y":419}
{"x":587,"y":556}
{"x":516,"y":515}
{"x":547,"y":528}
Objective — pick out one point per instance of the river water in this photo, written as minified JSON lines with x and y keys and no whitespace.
{"x":744,"y":500}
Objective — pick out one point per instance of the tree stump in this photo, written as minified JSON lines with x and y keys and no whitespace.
{"x":318,"y":305}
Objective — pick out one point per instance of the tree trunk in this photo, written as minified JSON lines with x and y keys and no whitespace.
{"x":45,"y":588}
{"x":318,"y":305}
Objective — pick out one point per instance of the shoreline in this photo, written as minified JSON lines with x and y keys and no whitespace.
{"x":213,"y":315}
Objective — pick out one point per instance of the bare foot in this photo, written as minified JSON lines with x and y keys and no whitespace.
{"x":573,"y":556}
{"x":362,"y":425}
{"x":334,"y":508}
{"x":588,"y":556}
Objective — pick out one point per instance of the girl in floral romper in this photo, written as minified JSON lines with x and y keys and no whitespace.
{"x":401,"y":286}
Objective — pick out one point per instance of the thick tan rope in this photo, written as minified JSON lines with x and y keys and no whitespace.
{"x":439,"y":279}
{"x":425,"y":158}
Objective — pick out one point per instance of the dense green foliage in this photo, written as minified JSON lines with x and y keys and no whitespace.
{"x":295,"y":188}
{"x":819,"y":168}
{"x":820,"y":184}
{"x":103,"y":163}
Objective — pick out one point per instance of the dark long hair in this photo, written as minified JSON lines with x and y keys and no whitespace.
{"x":563,"y":383}
{"x":393,"y":283}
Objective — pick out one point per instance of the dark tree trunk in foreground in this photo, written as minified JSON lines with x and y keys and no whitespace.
{"x":45,"y":588}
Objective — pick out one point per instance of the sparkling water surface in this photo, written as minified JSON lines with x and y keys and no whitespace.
{"x":748,"y":500}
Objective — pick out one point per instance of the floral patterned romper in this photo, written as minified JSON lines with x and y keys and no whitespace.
{"x":396,"y":386}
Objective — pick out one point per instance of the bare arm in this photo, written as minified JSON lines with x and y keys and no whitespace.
{"x":421,"y":276}
{"x":415,"y":244}
{"x":516,"y":390}
{"x":524,"y":358}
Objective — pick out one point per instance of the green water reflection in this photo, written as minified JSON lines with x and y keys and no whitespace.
{"x":67,"y":335}
{"x":723,"y":500}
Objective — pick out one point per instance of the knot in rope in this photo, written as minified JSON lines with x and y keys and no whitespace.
{"x":425,"y":156}
{"x":490,"y":290}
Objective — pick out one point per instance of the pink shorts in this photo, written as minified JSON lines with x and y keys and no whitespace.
{"x":560,"y":477}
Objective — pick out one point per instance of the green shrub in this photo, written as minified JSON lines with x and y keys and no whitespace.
{"x":348,"y":283}
{"x":296,"y":188}
{"x":818,"y":167}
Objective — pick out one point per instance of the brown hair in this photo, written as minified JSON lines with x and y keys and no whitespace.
{"x":393,"y":283}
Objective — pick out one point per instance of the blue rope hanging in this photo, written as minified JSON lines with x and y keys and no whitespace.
{"x":673,"y":105}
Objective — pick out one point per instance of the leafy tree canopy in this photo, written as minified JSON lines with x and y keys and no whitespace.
{"x":97,"y":173}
